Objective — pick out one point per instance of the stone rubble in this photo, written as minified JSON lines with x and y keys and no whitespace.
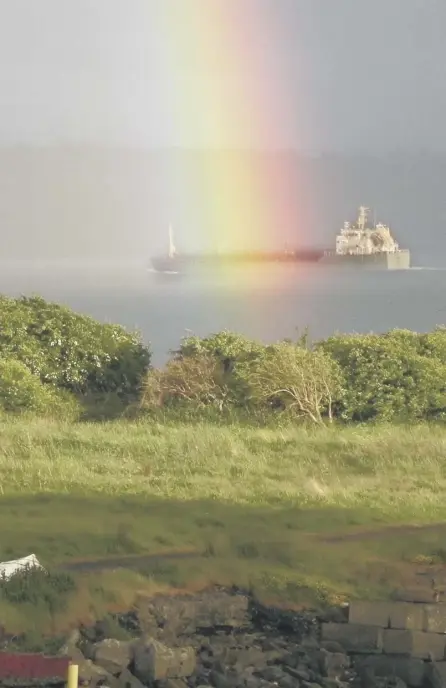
{"x":222,"y":639}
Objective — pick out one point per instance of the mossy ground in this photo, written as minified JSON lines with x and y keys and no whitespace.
{"x":297,"y":515}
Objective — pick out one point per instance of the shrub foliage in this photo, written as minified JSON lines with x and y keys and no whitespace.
{"x":399,"y":375}
{"x":396,"y":376}
{"x":228,"y":370}
{"x":48,"y":353}
{"x":21,"y":392}
{"x":71,"y":351}
{"x":37,"y":587}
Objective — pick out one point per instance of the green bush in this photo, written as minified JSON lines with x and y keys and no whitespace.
{"x":433,"y":344}
{"x":234,"y":353}
{"x":226,"y":346}
{"x":38,"y":587}
{"x":21,"y":391}
{"x":394,"y":376}
{"x":71,"y":351}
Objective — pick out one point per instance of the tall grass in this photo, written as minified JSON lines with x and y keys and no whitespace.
{"x":383,"y":467}
{"x":266,"y":508}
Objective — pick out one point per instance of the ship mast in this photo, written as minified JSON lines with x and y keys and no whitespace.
{"x":172,"y":249}
{"x":362,"y":219}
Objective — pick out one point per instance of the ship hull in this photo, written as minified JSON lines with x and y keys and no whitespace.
{"x":400,"y":260}
{"x":191,"y":263}
{"x":165,"y":264}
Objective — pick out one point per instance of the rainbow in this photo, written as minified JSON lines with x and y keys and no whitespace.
{"x":226,"y":88}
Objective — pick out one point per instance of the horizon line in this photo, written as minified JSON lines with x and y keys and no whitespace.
{"x":307,"y":152}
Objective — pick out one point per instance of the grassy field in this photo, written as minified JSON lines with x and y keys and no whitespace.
{"x":298,"y":515}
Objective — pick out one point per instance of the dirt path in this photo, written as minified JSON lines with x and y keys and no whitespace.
{"x":384,"y":531}
{"x":146,"y":560}
{"x":125,"y":562}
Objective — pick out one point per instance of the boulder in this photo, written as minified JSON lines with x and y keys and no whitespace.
{"x":128,"y":680}
{"x":333,"y":664}
{"x":435,"y":618}
{"x":92,"y":674}
{"x":273,"y":674}
{"x":175,"y":683}
{"x":410,"y":670}
{"x":154,"y":661}
{"x":415,"y":644}
{"x":437,"y":674}
{"x":70,"y":648}
{"x":88,"y":671}
{"x":354,"y":637}
{"x":331,"y":646}
{"x":113,"y":655}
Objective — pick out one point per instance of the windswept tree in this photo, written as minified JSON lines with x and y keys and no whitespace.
{"x":303,"y":381}
{"x":196,"y":380}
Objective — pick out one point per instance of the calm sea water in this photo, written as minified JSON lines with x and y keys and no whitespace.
{"x":267,"y":303}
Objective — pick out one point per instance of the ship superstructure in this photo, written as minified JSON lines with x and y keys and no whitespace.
{"x":358,"y":243}
{"x":359,"y":238}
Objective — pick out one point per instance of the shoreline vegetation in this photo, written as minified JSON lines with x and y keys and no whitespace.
{"x":306,"y":474}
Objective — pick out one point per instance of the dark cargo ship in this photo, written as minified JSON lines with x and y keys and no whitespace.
{"x":357,"y":245}
{"x":175,"y":262}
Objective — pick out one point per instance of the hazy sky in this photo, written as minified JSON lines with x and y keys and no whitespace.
{"x":311,"y":74}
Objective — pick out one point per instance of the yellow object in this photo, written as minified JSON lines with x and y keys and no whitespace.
{"x":73,"y":676}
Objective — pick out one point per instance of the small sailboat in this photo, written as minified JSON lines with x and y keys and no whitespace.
{"x":172,"y":249}
{"x":169,"y":263}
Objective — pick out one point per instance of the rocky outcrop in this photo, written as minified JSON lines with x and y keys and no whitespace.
{"x":227,"y":640}
{"x":176,"y":616}
{"x":216,"y":638}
